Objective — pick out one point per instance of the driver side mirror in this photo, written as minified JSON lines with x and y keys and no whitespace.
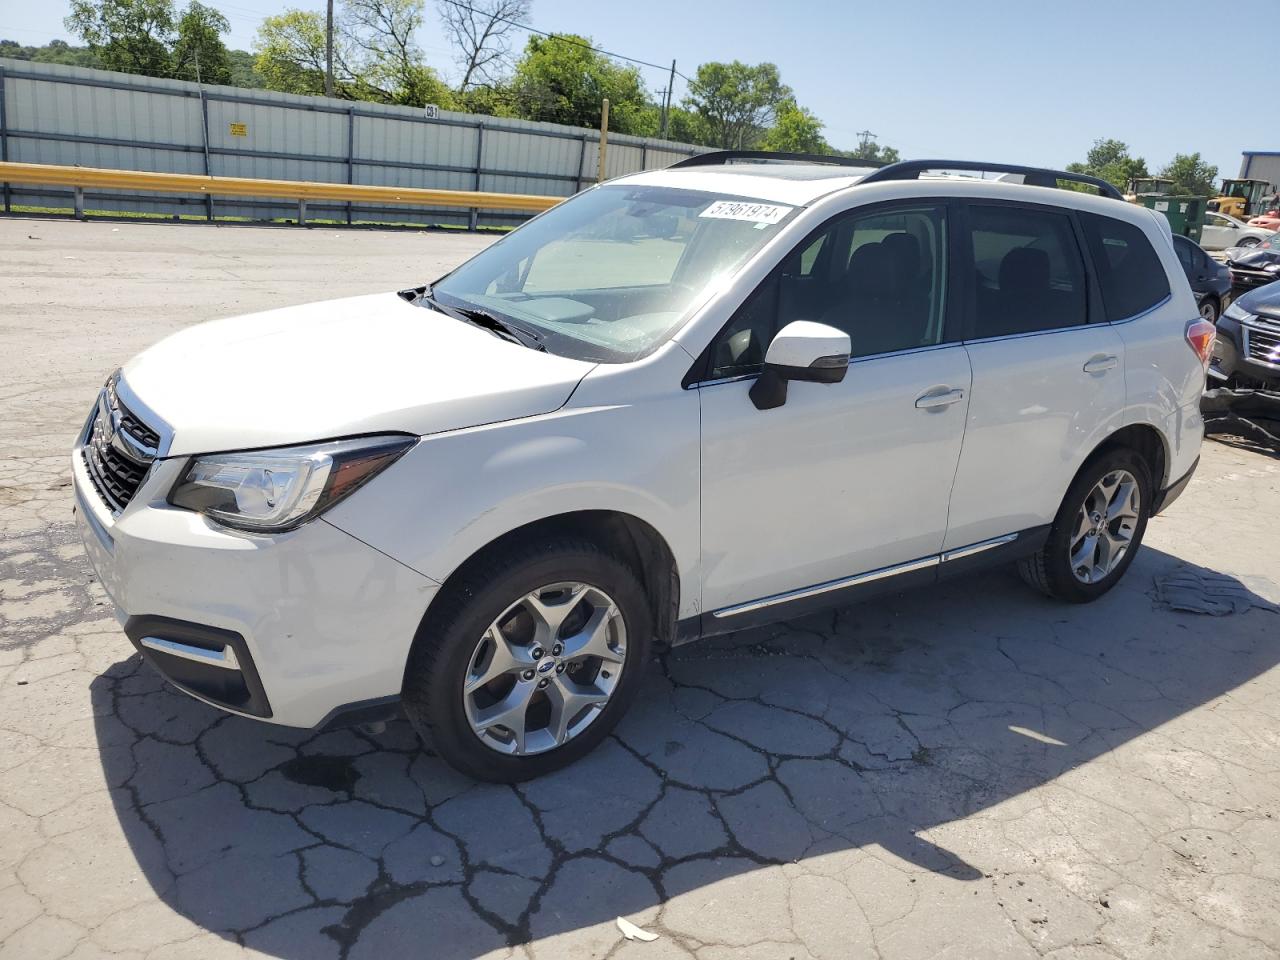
{"x":805,"y":351}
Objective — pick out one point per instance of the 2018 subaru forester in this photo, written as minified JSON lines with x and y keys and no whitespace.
{"x":680,"y":403}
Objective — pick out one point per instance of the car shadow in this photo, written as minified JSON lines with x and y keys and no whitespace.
{"x":870,"y":727}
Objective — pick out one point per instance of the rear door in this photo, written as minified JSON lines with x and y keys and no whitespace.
{"x":1048,"y":371}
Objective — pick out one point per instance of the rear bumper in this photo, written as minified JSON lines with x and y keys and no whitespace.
{"x":1174,"y":490}
{"x":293,"y":627}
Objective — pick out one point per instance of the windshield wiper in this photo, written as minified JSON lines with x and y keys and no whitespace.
{"x":488,"y":321}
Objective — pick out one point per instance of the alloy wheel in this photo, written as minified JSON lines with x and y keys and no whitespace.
{"x":545,"y":669}
{"x":1105,"y":526}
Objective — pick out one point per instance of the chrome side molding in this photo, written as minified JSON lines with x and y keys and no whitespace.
{"x":960,"y":552}
{"x":911,"y":566}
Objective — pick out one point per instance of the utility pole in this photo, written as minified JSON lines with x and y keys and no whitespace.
{"x":604,"y":139}
{"x":328,"y":51}
{"x":865,"y":138}
{"x":666,"y":101}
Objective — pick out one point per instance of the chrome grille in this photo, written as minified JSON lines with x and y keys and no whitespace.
{"x":118,"y":450}
{"x":1262,"y":344}
{"x":135,"y":427}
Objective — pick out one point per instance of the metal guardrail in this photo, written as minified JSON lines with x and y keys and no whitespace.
{"x":366,"y":141}
{"x":82,"y":178}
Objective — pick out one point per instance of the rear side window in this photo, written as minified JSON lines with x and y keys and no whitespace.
{"x":1130,"y":274}
{"x":1028,"y":272}
{"x":1186,"y":254}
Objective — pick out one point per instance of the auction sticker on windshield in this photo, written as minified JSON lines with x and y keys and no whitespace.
{"x":751,"y":212}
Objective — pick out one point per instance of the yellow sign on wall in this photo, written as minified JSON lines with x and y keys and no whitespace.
{"x":238,"y":129}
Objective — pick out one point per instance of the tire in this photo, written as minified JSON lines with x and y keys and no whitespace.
{"x":1051,"y":570}
{"x":453,"y":648}
{"x":1248,"y":242}
{"x":1209,"y":309}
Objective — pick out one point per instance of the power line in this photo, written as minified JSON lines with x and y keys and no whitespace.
{"x":560,"y":37}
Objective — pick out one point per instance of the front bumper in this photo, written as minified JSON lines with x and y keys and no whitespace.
{"x":292,"y":627}
{"x":1237,"y":355}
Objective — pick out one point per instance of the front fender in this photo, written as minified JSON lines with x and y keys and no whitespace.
{"x":456,"y":492}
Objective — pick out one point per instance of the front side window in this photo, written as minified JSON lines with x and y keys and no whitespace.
{"x":611,"y":273}
{"x":880,"y":276}
{"x":1129,"y":273}
{"x":1028,"y":273}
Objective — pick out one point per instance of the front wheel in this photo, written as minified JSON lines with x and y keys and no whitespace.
{"x":529,"y":661}
{"x":1209,"y":310}
{"x":1248,"y":242}
{"x":1097,"y":531}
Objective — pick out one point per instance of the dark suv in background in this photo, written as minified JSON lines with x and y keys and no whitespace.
{"x":1210,"y":281}
{"x":1246,"y":351}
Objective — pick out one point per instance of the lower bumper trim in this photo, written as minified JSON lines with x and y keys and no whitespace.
{"x":209,"y":663}
{"x":224,"y":658}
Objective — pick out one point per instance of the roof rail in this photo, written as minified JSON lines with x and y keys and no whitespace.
{"x":1033,"y":176}
{"x":717,"y":158}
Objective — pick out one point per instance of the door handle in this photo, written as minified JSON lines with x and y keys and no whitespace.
{"x":943,"y":398}
{"x":1101,"y":363}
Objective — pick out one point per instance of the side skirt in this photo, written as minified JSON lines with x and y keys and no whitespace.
{"x":863,"y":586}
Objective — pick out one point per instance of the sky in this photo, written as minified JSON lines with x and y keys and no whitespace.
{"x":1018,"y":81}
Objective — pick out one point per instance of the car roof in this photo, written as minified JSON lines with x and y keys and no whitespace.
{"x":804,"y":184}
{"x":794,"y":183}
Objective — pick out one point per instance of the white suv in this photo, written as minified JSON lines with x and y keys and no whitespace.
{"x":681,"y":403}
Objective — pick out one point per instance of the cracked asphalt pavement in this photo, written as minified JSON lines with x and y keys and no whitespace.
{"x":972,"y":771}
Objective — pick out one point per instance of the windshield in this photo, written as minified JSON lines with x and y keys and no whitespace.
{"x":610,"y":274}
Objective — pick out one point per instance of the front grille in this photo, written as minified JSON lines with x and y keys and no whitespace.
{"x":136,"y":428}
{"x":1262,"y":345}
{"x":118,"y":451}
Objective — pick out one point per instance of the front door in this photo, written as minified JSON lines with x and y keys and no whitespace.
{"x":1218,"y":232}
{"x":843,"y":478}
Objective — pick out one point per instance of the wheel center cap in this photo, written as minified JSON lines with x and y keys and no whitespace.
{"x":546,"y":665}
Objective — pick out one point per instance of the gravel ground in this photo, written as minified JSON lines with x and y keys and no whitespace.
{"x":968,"y":772}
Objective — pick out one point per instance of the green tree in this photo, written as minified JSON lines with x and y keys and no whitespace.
{"x":480,"y":30}
{"x":796,"y":130}
{"x":562,"y":80}
{"x":1110,"y":160}
{"x":131,"y":36}
{"x":737,"y":102}
{"x":1190,"y":174}
{"x":199,"y":53}
{"x":374,"y":54}
{"x":685,"y":126}
{"x":290,"y":53}
{"x":870,"y":150}
{"x":243,"y":73}
{"x":55,"y":51}
{"x":383,"y":61}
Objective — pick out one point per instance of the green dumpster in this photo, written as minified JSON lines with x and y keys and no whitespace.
{"x":1185,"y":214}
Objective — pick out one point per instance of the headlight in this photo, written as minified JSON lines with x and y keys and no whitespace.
{"x":1236,"y":312}
{"x":272,"y":490}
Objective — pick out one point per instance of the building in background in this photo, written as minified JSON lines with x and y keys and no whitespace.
{"x":1260,"y":165}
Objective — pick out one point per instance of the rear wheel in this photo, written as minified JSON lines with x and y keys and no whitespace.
{"x":1248,"y":242}
{"x":1209,"y":309}
{"x":1097,"y":531}
{"x":530,"y":660}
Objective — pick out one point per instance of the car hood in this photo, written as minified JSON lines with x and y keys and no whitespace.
{"x":1253,"y":258}
{"x":340,"y":368}
{"x":1264,"y":301}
